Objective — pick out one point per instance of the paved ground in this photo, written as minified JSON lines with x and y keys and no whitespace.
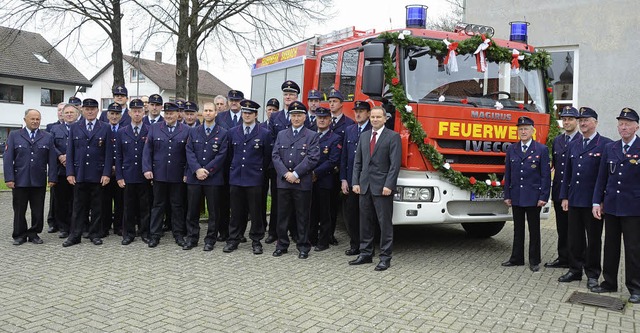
{"x":440,"y":281}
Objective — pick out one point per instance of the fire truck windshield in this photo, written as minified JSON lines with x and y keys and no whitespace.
{"x":428,"y":80}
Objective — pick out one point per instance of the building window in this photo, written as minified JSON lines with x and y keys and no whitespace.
{"x":40,"y":58}
{"x":106,"y":102}
{"x":564,"y":76}
{"x":51,"y":97}
{"x":11,"y":94}
{"x":328,"y":69}
{"x":348,"y":73}
{"x":136,"y":76}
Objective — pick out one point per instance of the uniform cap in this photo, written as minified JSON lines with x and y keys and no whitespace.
{"x":120,"y":90}
{"x":587,"y":113}
{"x":73,"y":100}
{"x":180,"y":104}
{"x":274,"y":102}
{"x":290,"y":86}
{"x":249,"y":106}
{"x":336,"y":94}
{"x":314,"y":94}
{"x":190,"y":106}
{"x":629,"y":114}
{"x":323,"y":112}
{"x":235,"y":95}
{"x":170,"y":107}
{"x":115,"y":107}
{"x":570,"y":111}
{"x":297,"y":107}
{"x":90,"y":102}
{"x":136,"y":103}
{"x":522,"y":121}
{"x":361,"y":105}
{"x":156,"y":99}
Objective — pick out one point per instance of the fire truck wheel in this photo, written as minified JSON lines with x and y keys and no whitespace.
{"x":484,"y":229}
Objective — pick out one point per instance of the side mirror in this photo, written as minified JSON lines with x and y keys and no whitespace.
{"x":373,"y":73}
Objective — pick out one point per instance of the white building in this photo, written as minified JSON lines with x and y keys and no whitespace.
{"x":33,"y":75}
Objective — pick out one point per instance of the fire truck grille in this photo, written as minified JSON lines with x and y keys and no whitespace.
{"x":474,"y":159}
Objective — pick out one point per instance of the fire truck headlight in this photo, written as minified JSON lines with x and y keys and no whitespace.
{"x":424,"y":194}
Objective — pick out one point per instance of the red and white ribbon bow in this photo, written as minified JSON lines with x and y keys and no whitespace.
{"x":515,"y":64}
{"x":450,"y":60}
{"x":481,"y":57}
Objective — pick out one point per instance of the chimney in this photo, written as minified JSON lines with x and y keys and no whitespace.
{"x":159,"y":57}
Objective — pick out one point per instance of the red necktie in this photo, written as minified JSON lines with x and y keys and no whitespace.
{"x":372,"y":143}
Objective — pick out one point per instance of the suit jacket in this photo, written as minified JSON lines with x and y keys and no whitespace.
{"x":129,"y":152}
{"x":374,"y":171}
{"x":250,"y":155}
{"x":146,"y":120}
{"x":60,"y":135}
{"x":299,"y":154}
{"x":225,"y":119}
{"x":165,"y":153}
{"x":349,"y":148}
{"x":617,"y":184}
{"x":329,"y":161}
{"x":124,"y":121}
{"x":88,"y":158}
{"x":581,"y":171}
{"x":209,"y":152}
{"x":527,"y":176}
{"x":25,"y":161}
{"x":559,"y":153}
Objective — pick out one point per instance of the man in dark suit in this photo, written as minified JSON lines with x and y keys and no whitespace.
{"x":163,"y":162}
{"x":581,"y":172}
{"x":375,"y":173}
{"x":559,"y":153}
{"x":616,"y":196}
{"x":120,"y":96}
{"x":250,"y":156}
{"x":351,"y":200}
{"x":526,"y":189}
{"x":130,"y":142}
{"x":155,"y":107}
{"x":29,"y":152}
{"x":295,"y":154}
{"x":88,"y":170}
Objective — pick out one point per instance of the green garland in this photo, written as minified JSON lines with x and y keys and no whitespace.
{"x":494,"y":53}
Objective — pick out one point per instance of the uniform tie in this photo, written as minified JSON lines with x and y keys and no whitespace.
{"x":67,"y":126}
{"x":585,"y":142}
{"x":113,"y":128}
{"x":359,"y":131}
{"x":625,"y":148}
{"x":33,"y":135}
{"x":208,"y":130}
{"x":295,"y":132}
{"x":170,"y":129}
{"x":567,"y":138}
{"x":153,"y":121}
{"x":524,"y":148}
{"x":235,"y":119}
{"x":90,"y":126}
{"x":313,"y":118}
{"x":372,"y":144}
{"x":135,"y":131}
{"x":334,"y":121}
{"x":247,"y":130}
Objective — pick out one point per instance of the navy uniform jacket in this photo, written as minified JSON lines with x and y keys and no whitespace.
{"x":124,"y":121}
{"x":279,"y":122}
{"x":88,"y":158}
{"x":299,"y":154}
{"x":50,"y":126}
{"x":196,"y":124}
{"x":225,"y":119}
{"x":209,"y":152}
{"x":145,"y":120}
{"x":330,"y":151}
{"x":250,"y":155}
{"x":559,"y":162}
{"x":165,"y":153}
{"x":60,"y":135}
{"x":581,"y":171}
{"x":129,"y":152}
{"x":617,"y":184}
{"x":527,"y":176}
{"x":25,"y":162}
{"x":311,"y":124}
{"x":349,"y":147}
{"x":341,"y":126}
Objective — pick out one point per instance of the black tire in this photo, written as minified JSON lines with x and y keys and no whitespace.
{"x":484,"y":229}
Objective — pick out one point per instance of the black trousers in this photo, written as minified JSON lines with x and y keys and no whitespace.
{"x":246,"y":201}
{"x":376,"y":210}
{"x":51,"y":216}
{"x":351,"y":213}
{"x":562,"y":227}
{"x":294,"y":203}
{"x":64,"y":203}
{"x":271,"y":184}
{"x":225,"y":211}
{"x":212,"y":198}
{"x":585,"y":242}
{"x":137,"y":209}
{"x":112,"y":207}
{"x":320,"y":228}
{"x":173,"y":193}
{"x":86,"y":197}
{"x":34,"y":198}
{"x":533,"y":219}
{"x":336,"y":202}
{"x":629,"y":228}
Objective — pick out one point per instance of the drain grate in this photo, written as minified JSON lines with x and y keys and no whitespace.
{"x":607,"y":302}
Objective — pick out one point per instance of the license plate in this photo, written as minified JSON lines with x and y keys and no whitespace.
{"x":487,"y":197}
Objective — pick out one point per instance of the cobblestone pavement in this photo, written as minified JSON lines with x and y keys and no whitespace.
{"x":440,"y":281}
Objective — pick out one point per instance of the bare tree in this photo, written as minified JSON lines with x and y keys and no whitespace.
{"x":448,"y":22}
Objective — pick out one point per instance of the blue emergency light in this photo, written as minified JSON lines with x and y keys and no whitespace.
{"x":518,"y":31}
{"x":416,"y":16}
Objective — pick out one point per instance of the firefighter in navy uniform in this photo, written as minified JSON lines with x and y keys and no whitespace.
{"x":581,"y":172}
{"x":130,"y":142}
{"x":270,"y":181}
{"x":615,"y":198}
{"x":120,"y":96}
{"x":155,"y":107}
{"x":323,"y":181}
{"x":559,"y":153}
{"x":295,"y":154}
{"x":112,"y":195}
{"x":526,"y":189}
{"x":313,"y":99}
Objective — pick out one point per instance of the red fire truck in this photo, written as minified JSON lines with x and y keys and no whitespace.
{"x":458,"y":110}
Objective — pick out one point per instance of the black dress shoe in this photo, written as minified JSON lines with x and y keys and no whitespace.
{"x":600,"y":289}
{"x":270,"y":239}
{"x":127,"y":241}
{"x":144,"y":239}
{"x":635,"y":299}
{"x":534,"y":267}
{"x":557,"y":264}
{"x":180,"y":242}
{"x":243,"y":239}
{"x":591,"y":283}
{"x":333,"y":240}
{"x":189,"y":245}
{"x":36,"y":239}
{"x":361,"y":260}
{"x":63,"y":234}
{"x":19,"y":241}
{"x":383,"y":265}
{"x":52,"y":229}
{"x":230,"y":247}
{"x":320,"y":248}
{"x":279,"y":252}
{"x":510,"y":264}
{"x":70,"y":242}
{"x":208,"y":247}
{"x":571,"y":276}
{"x":153,"y":242}
{"x":352,"y":252}
{"x":96,"y":241}
{"x":257,"y":248}
{"x":303,"y":255}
